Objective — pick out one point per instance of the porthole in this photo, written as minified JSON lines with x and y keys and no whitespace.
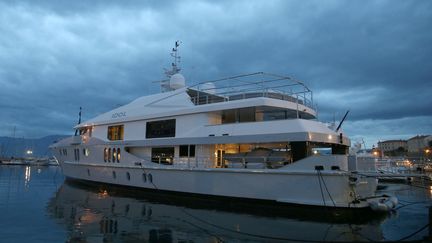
{"x":128,"y":176}
{"x":88,"y":172}
{"x":150,"y":178}
{"x":86,"y":152}
{"x":118,"y":155}
{"x":144,"y":177}
{"x":105,"y":154}
{"x":114,"y":175}
{"x":114,"y":155}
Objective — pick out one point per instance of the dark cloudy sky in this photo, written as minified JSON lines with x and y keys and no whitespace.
{"x":371,"y":57}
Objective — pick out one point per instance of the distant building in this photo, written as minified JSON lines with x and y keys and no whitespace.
{"x":393,"y":145}
{"x":417,"y":144}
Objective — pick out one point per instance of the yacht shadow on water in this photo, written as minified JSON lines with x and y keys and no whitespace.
{"x":116,"y":213}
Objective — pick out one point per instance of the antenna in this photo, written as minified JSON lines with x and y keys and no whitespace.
{"x":174,"y":65}
{"x":79,"y":121}
{"x":175,"y":79}
{"x":343,"y":119}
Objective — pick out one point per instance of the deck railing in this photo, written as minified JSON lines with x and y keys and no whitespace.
{"x":251,"y":86}
{"x":254,"y":162}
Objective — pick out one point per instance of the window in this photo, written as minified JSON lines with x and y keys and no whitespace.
{"x":109,"y":155}
{"x":114,"y":175}
{"x":115,"y":132}
{"x":144,"y":177}
{"x":163,"y":155}
{"x":246,"y":114}
{"x":161,"y":129}
{"x":114,"y":155}
{"x":77,"y":154}
{"x":105,"y":154}
{"x":86,"y":152}
{"x":238,"y":115}
{"x":118,"y":155}
{"x":128,"y":176}
{"x":86,"y":131}
{"x":229,"y":116}
{"x":187,"y":151}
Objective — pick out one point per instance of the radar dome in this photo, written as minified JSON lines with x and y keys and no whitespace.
{"x":177,"y":81}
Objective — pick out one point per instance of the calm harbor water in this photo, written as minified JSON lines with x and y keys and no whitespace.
{"x":38,"y":205}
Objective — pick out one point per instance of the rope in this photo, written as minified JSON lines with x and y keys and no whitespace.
{"x":322,"y":194}
{"x":414,"y":233}
{"x":320,"y":177}
{"x":325,"y":186}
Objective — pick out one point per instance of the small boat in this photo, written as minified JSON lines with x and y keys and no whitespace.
{"x":254,"y":136}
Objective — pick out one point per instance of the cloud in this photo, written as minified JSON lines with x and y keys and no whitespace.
{"x":374,"y":130}
{"x":372,"y":57}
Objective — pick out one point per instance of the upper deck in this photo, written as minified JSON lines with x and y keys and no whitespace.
{"x":268,"y":92}
{"x":252,"y":85}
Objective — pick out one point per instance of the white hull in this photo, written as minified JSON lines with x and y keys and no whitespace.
{"x":333,"y":190}
{"x":260,"y":142}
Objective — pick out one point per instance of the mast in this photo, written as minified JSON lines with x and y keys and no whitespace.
{"x":175,"y":79}
{"x":79,"y":120}
{"x":174,"y":65}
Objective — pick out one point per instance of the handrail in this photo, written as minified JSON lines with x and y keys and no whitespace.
{"x":268,"y":85}
{"x":224,"y":162}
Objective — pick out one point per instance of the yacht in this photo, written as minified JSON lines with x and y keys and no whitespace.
{"x":254,"y":136}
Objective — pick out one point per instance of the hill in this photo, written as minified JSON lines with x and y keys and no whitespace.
{"x":17,"y":147}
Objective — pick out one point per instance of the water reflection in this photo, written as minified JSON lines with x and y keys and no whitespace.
{"x":27,"y":176}
{"x":113,"y":214}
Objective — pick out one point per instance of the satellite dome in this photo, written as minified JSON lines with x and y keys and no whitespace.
{"x":177,"y":81}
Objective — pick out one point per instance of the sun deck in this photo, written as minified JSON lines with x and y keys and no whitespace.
{"x":248,"y":86}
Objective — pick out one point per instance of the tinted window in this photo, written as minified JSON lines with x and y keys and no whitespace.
{"x":161,"y":129}
{"x":186,"y":150}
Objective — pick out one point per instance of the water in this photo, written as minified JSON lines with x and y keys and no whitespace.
{"x":37,"y":205}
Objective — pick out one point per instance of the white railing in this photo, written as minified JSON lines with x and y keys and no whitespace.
{"x":251,"y":86}
{"x":256,"y":162}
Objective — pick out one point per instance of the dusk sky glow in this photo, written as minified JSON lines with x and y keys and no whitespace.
{"x":373,"y":58}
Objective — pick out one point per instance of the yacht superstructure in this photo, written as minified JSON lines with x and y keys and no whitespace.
{"x":253,"y":136}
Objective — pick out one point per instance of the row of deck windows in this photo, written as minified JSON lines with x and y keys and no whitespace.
{"x":85,"y":151}
{"x":167,"y":128}
{"x":165,"y":155}
{"x":253,"y":114}
{"x":63,"y":152}
{"x":154,"y":129}
{"x":112,"y":155}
